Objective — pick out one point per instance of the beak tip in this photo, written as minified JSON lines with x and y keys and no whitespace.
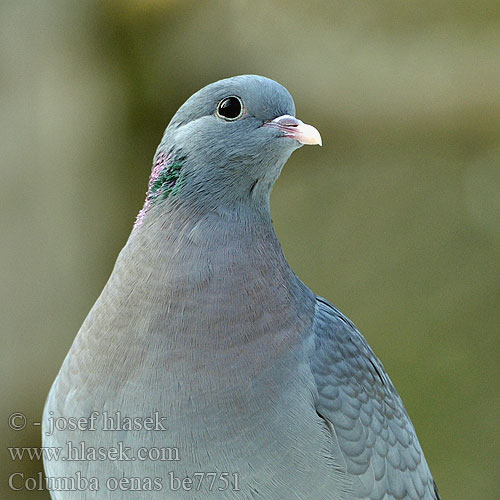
{"x":310,"y":135}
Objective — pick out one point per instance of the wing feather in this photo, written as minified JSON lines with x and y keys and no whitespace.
{"x":362,"y":407}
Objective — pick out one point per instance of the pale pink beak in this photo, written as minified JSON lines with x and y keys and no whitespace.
{"x":296,"y":129}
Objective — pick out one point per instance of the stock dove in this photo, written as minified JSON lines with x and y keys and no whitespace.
{"x":206,"y":369}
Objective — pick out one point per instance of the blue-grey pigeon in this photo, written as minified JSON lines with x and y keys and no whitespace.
{"x":206,"y":369}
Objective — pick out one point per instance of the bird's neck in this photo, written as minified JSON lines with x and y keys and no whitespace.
{"x":176,"y":239}
{"x":171,"y":187}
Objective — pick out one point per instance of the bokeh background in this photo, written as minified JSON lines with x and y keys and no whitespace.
{"x":396,"y":219}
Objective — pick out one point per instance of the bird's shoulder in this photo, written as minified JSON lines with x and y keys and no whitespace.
{"x":364,"y":412}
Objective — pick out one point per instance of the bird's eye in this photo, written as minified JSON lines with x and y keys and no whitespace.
{"x":230,"y":108}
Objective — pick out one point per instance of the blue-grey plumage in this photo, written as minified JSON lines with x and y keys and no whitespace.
{"x":266,"y":391}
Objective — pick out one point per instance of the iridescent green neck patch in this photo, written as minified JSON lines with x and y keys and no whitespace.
{"x":163,"y":181}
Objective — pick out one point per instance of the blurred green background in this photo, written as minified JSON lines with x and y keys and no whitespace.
{"x":396,"y":219}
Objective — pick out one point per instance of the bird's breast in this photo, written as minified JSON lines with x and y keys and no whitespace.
{"x":213,"y":343}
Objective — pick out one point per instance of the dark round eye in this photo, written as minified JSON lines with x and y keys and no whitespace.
{"x":230,"y":108}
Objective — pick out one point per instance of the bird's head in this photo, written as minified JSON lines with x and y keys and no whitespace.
{"x":227,"y":143}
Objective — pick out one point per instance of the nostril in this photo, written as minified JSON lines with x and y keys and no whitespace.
{"x":287,"y":121}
